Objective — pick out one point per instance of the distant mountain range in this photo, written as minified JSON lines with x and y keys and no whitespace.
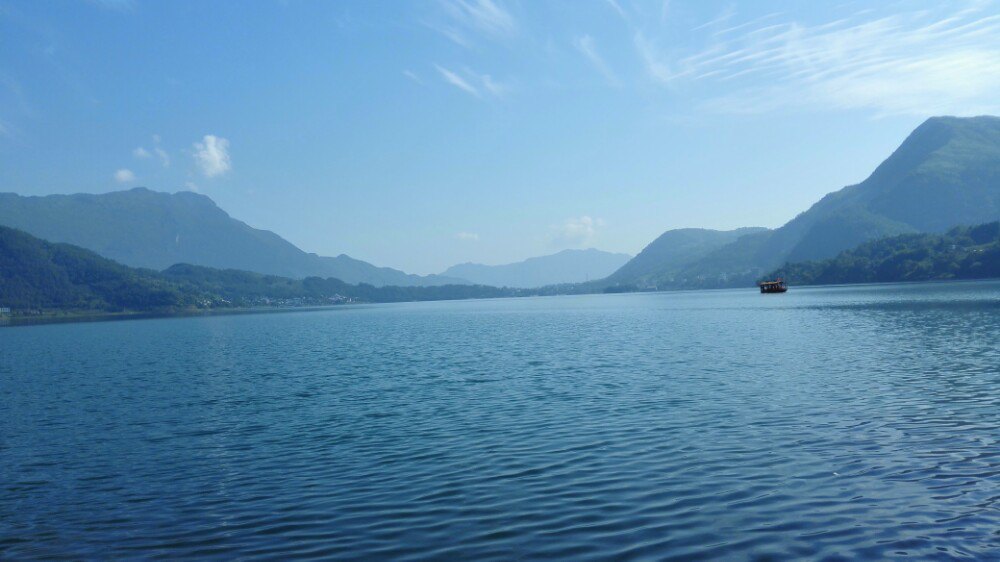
{"x":567,"y":266}
{"x":37,"y":276}
{"x":945,"y":174}
{"x":143,"y":228}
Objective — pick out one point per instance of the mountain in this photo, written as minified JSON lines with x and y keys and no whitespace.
{"x":961,"y":253}
{"x":243,"y":288}
{"x":567,"y":266}
{"x":36,"y":275}
{"x":144,"y":228}
{"x":660,"y":261}
{"x":946,"y":173}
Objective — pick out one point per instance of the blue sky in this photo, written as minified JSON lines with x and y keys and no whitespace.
{"x":422,"y":134}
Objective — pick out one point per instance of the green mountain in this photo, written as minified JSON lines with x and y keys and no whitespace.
{"x":662,"y":261}
{"x":567,"y":266}
{"x":961,"y":253}
{"x":144,"y":228}
{"x":946,"y":173}
{"x":244,"y":288}
{"x":36,"y":275}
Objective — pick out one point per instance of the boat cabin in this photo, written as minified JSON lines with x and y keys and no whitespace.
{"x":776,"y":286}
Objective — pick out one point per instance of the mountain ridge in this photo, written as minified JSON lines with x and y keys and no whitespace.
{"x":670,"y":252}
{"x":38,"y":277}
{"x":145,"y":228}
{"x":945,"y":173}
{"x":565,"y":266}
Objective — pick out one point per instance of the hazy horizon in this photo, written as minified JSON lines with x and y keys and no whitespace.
{"x":423,"y":135}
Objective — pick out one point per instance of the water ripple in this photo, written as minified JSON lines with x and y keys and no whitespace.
{"x":831,"y":424}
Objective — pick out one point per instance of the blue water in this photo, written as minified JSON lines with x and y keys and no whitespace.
{"x":826,"y":423}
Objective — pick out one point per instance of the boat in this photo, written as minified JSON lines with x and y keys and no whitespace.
{"x":776,"y":286}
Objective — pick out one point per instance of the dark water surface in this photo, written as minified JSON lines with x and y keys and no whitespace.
{"x":826,"y":423}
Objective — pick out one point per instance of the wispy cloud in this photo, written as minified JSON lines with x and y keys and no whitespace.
{"x":160,"y":153}
{"x":576,"y":231}
{"x":470,"y":236}
{"x":586,"y":45}
{"x":462,"y":20}
{"x":212,"y":156}
{"x":124,"y":176}
{"x":618,"y":9}
{"x":724,"y":17}
{"x":412,"y":76}
{"x":163,"y":156}
{"x":918,"y":62}
{"x":656,"y":66}
{"x":473,"y":83}
{"x":457,"y":81}
{"x":664,"y":11}
{"x":497,"y":89}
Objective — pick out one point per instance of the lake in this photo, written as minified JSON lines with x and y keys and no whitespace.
{"x":826,"y":423}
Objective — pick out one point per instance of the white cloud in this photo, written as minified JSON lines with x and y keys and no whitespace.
{"x":143,"y":154}
{"x":618,"y":9}
{"x":212,"y":155}
{"x":473,"y":83}
{"x":191,"y":186}
{"x":911,"y":62}
{"x":457,"y":81}
{"x":462,"y":18}
{"x":492,"y":86}
{"x":656,"y":67}
{"x":576,"y":231}
{"x":124,"y":176}
{"x":472,"y":236}
{"x":586,"y":45}
{"x":163,"y":156}
{"x":726,"y":15}
{"x":412,"y":76}
{"x":664,"y":11}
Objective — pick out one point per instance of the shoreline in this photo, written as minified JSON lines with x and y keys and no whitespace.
{"x":86,"y":316}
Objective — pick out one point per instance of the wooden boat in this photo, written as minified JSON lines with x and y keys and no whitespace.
{"x":776,"y":286}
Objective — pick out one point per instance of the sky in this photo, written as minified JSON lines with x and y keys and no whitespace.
{"x":421,"y":134}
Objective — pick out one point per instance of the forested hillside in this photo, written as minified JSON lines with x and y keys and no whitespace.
{"x":961,"y":253}
{"x":39,"y":276}
{"x":35,"y":274}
